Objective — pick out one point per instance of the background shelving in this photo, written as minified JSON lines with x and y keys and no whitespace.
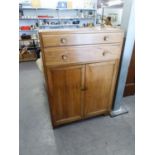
{"x":54,"y":18}
{"x":31,"y":15}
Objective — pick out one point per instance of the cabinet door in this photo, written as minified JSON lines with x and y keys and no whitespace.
{"x":65,"y":94}
{"x":100,"y":82}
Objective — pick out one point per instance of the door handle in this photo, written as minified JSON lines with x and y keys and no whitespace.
{"x":84,"y":89}
{"x":63,"y":40}
{"x":106,"y":38}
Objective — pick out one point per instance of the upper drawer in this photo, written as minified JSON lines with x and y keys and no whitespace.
{"x":81,"y":54}
{"x":81,"y":39}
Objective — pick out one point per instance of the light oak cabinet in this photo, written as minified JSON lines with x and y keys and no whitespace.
{"x":100,"y":80}
{"x":65,"y":84}
{"x":80,"y":68}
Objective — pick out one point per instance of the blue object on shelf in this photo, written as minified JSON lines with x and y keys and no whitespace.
{"x":62,"y":4}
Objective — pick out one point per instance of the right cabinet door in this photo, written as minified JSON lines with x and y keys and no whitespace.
{"x":100,"y":83}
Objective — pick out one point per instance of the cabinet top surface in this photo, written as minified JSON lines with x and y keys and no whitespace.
{"x":82,"y":30}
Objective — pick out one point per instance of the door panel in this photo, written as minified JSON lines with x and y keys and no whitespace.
{"x":65,"y":93}
{"x":100,"y":78}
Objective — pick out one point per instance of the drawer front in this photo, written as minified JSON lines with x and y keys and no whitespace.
{"x":81,"y":54}
{"x":81,"y":39}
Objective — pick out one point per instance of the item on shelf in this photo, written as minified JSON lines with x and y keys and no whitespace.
{"x":107,"y":22}
{"x":51,"y":16}
{"x":37,"y":25}
{"x":21,"y":13}
{"x":90,"y":14}
{"x":37,"y":43}
{"x":89,"y":4}
{"x":84,"y":25}
{"x":67,"y":22}
{"x":30,"y":44}
{"x":40,"y":22}
{"x":26,"y":4}
{"x":62,"y":4}
{"x":35,"y":3}
{"x":86,"y":14}
{"x":32,"y":27}
{"x":69,"y":4}
{"x":25,"y":27}
{"x":76,"y":22}
{"x":26,"y":55}
{"x":20,"y":6}
{"x":45,"y":22}
{"x":25,"y":36}
{"x":34,"y":36}
{"x":90,"y":24}
{"x":43,"y":16}
{"x":28,"y":17}
{"x":55,"y":23}
{"x":80,"y":14}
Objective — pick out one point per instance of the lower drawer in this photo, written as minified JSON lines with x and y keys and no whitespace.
{"x":81,"y":54}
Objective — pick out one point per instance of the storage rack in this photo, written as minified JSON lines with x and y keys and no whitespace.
{"x":57,"y":18}
{"x":33,"y":48}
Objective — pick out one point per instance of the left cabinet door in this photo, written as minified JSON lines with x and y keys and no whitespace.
{"x":65,"y":95}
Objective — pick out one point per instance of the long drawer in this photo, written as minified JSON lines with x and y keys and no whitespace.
{"x":80,"y":39}
{"x":81,"y":54}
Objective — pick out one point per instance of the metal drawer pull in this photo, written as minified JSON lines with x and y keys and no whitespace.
{"x":62,"y":40}
{"x":104,"y":53}
{"x":64,"y":57}
{"x":106,"y":38}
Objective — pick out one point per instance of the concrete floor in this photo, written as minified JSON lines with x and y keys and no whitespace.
{"x":96,"y":136}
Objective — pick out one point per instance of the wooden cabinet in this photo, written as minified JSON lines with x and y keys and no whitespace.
{"x":80,"y":74}
{"x":99,"y":87}
{"x":66,"y":93}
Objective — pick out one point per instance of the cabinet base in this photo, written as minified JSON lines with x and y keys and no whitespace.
{"x":120,"y":111}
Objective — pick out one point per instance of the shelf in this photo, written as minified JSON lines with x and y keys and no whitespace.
{"x":28,"y":18}
{"x":28,"y":59}
{"x":68,"y":18}
{"x":70,"y":24}
{"x":28,"y":9}
{"x":60,"y":9}
{"x":38,"y":18}
{"x":28,"y":30}
{"x":77,"y":18}
{"x":59,"y":25}
{"x":27,"y":39}
{"x":30,"y":48}
{"x":50,"y":25}
{"x":85,"y":9}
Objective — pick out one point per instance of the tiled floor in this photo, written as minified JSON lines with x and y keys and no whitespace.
{"x":96,"y":136}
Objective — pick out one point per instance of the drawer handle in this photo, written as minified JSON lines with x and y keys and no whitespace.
{"x":64,"y":57}
{"x":63,"y":40}
{"x":104,"y":53}
{"x":106,"y":38}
